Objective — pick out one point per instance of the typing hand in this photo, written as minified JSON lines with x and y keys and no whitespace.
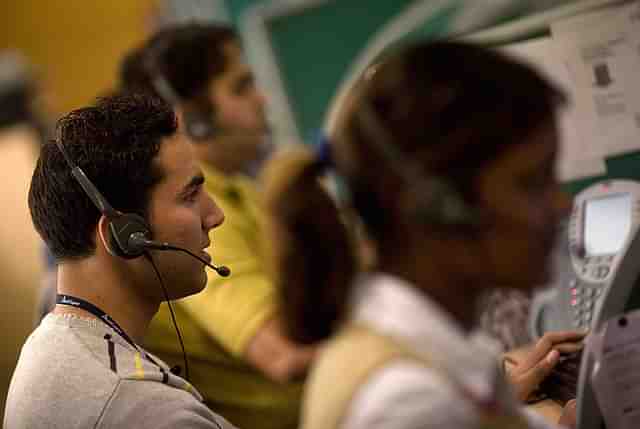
{"x":527,"y":372}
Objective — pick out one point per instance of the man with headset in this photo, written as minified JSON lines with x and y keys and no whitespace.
{"x":84,"y":366}
{"x":242,"y":362}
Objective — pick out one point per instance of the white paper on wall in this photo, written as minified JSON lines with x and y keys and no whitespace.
{"x":601,"y":51}
{"x":577,"y":156}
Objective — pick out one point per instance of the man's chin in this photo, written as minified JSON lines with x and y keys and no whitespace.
{"x":195,"y":288}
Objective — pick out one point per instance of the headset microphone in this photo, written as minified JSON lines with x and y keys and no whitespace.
{"x":127,"y":236}
{"x":137,"y":240}
{"x":128,"y":232}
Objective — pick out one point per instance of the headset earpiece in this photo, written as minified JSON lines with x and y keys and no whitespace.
{"x":433,"y":199}
{"x":198,"y":115}
{"x":437,"y":202}
{"x":121,"y":228}
{"x":199,"y":124}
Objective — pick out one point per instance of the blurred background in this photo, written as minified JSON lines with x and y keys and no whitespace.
{"x":57,"y":56}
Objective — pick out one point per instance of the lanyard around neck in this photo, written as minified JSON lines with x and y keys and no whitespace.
{"x":73,"y":301}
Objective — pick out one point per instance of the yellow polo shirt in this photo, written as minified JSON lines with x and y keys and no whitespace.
{"x":218,"y":323}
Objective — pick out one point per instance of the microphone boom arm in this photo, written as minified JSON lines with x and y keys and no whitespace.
{"x":139,"y":241}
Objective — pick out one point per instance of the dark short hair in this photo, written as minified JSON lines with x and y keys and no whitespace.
{"x":115,"y":142}
{"x":187,"y":56}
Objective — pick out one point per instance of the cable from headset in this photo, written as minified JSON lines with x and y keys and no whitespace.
{"x":173,"y":316}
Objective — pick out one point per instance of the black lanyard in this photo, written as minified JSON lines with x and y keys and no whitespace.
{"x":87,"y":306}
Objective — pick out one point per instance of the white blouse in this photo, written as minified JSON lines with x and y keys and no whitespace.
{"x":407,"y":395}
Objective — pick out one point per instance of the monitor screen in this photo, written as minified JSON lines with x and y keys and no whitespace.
{"x":607,"y":223}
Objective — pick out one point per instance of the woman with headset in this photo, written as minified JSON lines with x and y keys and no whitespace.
{"x":447,"y":151}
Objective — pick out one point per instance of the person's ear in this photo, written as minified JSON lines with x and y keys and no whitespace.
{"x":104,"y":235}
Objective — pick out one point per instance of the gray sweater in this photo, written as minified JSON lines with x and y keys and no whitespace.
{"x":78,"y":373}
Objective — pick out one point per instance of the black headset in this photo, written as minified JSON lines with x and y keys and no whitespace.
{"x":128,"y":237}
{"x":198,"y":120}
{"x":437,"y":201}
{"x":128,"y":232}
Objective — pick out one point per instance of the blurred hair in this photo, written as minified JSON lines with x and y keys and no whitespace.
{"x":187,"y":56}
{"x":451,"y":107}
{"x":313,"y":233}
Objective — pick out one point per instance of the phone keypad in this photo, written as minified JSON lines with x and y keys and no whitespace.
{"x":583,"y":300}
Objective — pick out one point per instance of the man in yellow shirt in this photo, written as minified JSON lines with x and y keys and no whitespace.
{"x":239,"y":357}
